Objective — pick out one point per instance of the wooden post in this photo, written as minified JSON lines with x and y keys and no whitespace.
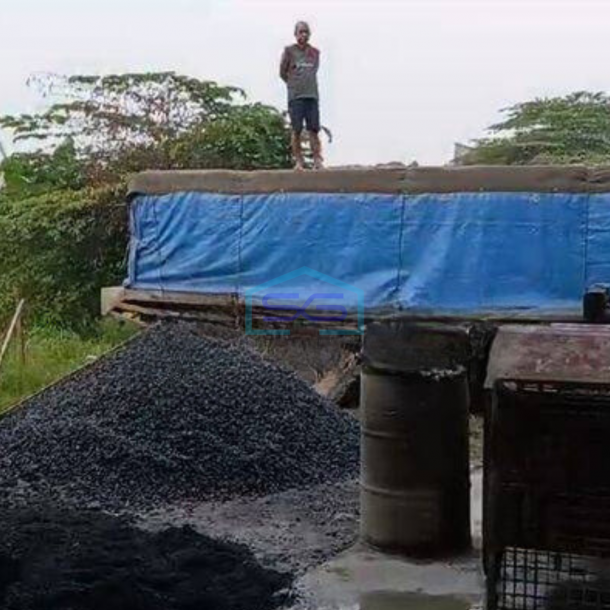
{"x":11,"y":330}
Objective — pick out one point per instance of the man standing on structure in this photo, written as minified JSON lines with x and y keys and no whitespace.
{"x":299,"y":70}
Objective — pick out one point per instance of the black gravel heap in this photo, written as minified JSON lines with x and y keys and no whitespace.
{"x":174,"y":417}
{"x":53,"y":560}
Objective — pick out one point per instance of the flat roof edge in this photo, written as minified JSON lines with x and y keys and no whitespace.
{"x":542,"y":179}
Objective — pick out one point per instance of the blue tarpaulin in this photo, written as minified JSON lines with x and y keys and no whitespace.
{"x":458,"y":252}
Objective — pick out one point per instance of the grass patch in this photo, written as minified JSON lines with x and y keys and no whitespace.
{"x":51,"y":353}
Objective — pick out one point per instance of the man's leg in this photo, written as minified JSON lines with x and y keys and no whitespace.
{"x":316,"y":150}
{"x":312,"y":120}
{"x":297,"y":118}
{"x":297,"y":150}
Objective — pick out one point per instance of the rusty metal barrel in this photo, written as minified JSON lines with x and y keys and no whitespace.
{"x":415,"y":475}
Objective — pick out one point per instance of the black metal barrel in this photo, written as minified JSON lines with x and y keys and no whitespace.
{"x":415,"y":479}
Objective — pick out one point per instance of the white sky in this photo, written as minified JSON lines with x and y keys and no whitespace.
{"x":400,"y":79}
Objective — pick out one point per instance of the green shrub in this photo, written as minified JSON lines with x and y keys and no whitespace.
{"x":57,"y":250}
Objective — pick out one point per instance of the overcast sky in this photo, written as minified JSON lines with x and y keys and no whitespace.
{"x":401,"y":80}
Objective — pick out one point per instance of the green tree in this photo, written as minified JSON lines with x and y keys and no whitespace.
{"x":128,"y":122}
{"x":559,"y":130}
{"x":105,"y":115}
{"x":248,"y":137}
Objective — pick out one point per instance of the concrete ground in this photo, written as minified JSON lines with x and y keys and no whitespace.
{"x":362,"y":579}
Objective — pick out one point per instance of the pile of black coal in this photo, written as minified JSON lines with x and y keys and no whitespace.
{"x":173,"y":417}
{"x":52,"y":560}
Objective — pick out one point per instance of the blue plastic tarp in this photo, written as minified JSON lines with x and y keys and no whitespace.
{"x":460,"y":252}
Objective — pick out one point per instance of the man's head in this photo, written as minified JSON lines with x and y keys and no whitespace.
{"x":302,"y":33}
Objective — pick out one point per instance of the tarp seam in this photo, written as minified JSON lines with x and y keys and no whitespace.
{"x":238,"y":287}
{"x":158,"y":250}
{"x":586,"y":242}
{"x":134,"y":245}
{"x":396,"y":297}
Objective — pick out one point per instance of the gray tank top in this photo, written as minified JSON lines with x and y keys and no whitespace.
{"x":302,"y":72}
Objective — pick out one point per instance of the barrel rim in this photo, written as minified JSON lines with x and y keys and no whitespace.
{"x":431,"y":373}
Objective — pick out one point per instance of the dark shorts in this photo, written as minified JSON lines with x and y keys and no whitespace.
{"x":306,"y":111}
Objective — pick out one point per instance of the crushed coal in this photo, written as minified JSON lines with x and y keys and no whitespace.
{"x":173,"y":417}
{"x":86,"y":560}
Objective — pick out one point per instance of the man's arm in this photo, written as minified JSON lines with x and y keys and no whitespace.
{"x":285,"y":66}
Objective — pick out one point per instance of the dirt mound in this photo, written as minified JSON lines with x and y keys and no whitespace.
{"x":174,"y":417}
{"x":89,"y":561}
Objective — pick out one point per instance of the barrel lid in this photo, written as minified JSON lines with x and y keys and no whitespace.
{"x":415,"y":347}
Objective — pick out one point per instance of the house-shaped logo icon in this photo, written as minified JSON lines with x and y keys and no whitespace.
{"x":338,"y":307}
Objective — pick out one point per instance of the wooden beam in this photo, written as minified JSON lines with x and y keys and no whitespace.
{"x":167,"y":298}
{"x":145,"y":310}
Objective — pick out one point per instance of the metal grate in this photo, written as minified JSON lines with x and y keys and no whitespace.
{"x":543,"y":580}
{"x":547,"y":531}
